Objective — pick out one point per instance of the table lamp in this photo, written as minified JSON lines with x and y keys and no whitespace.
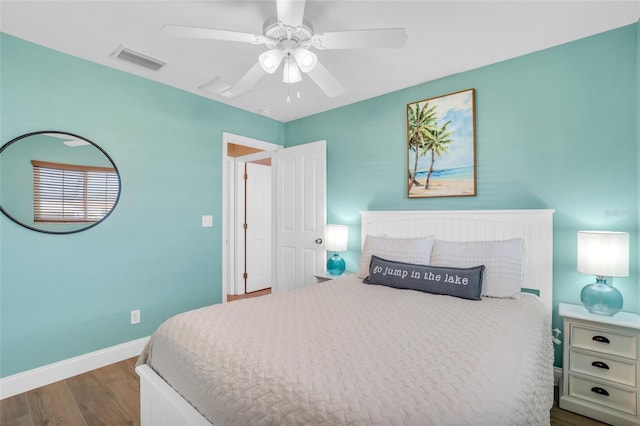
{"x":603,"y":254}
{"x":335,"y":240}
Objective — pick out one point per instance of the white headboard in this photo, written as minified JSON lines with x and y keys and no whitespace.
{"x":534,"y":226}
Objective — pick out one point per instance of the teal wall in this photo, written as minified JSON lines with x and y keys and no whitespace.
{"x":66,"y":295}
{"x":555,"y":129}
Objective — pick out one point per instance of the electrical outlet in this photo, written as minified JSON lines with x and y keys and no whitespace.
{"x":135,"y":316}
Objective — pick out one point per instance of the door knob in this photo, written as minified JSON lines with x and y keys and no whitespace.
{"x":318,"y":240}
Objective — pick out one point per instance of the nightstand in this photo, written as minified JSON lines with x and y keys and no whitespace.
{"x":601,"y":372}
{"x":325,"y":276}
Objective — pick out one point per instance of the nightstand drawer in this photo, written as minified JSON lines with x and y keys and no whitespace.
{"x":604,"y":368}
{"x":618,"y":399}
{"x":624,"y":345}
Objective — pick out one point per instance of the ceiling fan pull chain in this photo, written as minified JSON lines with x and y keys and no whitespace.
{"x":286,"y":70}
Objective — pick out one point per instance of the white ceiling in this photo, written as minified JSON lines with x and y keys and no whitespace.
{"x":444,"y":38}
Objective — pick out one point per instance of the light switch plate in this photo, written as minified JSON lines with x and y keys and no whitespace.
{"x":207,"y":221}
{"x":135,"y":316}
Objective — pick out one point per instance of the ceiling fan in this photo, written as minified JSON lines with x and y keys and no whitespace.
{"x":289,"y":38}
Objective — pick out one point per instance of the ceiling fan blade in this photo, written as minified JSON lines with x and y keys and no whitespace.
{"x":250,"y":79}
{"x":213,"y":34}
{"x":325,"y":80}
{"x":290,"y":12}
{"x":387,"y":38}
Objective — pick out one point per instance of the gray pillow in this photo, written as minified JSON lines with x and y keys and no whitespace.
{"x":503,"y":260}
{"x":458,"y":282}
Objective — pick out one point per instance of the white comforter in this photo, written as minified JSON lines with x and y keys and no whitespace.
{"x":343,"y":352}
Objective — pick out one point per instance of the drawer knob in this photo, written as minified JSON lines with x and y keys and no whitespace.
{"x":600,"y":339}
{"x":600,"y":364}
{"x":599,"y":391}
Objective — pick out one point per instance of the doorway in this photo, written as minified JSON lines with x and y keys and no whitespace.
{"x":298,"y":191}
{"x":233,"y":212}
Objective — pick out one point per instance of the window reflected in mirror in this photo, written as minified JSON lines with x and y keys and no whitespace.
{"x":72,"y":193}
{"x":57,"y":182}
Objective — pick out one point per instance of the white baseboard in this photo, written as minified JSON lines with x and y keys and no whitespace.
{"x":45,"y":375}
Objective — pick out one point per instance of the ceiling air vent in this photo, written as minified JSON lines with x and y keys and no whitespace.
{"x":138,"y":59}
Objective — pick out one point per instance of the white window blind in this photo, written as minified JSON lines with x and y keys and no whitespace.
{"x":72,"y":193}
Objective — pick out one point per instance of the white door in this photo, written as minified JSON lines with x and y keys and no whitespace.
{"x":254,"y":227}
{"x":258,"y":226}
{"x":298,"y":214}
{"x":300,"y":186}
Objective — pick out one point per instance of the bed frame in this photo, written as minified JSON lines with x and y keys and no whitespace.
{"x":160,"y":404}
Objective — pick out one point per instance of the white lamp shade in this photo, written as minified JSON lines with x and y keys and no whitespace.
{"x":305,"y":59}
{"x":290,"y":71}
{"x":336,"y":238}
{"x":270,"y":60}
{"x":603,"y":253}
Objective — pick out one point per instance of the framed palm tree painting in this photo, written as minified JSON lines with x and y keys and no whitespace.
{"x":441,"y":146}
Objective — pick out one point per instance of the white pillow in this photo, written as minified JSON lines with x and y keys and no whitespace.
{"x":503,"y":261}
{"x":409,"y":250}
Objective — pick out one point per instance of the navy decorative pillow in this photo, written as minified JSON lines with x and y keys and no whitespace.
{"x":459,"y":282}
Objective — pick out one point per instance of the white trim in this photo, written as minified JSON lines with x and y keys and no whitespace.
{"x":228,"y":205}
{"x":45,"y":375}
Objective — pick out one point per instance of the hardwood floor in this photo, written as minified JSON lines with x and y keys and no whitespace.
{"x":107,"y":396}
{"x":566,"y":418}
{"x":110,"y":396}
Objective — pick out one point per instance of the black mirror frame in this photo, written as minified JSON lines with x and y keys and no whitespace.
{"x":6,"y":213}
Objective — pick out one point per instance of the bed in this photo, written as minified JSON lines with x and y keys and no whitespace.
{"x":346,"y":352}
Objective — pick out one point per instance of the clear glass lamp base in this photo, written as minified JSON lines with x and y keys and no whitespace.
{"x":601,"y":298}
{"x":335,"y":265}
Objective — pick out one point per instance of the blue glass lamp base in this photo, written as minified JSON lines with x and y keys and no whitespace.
{"x":335,"y":265}
{"x":601,"y":298}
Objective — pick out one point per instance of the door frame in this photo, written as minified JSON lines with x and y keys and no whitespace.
{"x":228,"y":282}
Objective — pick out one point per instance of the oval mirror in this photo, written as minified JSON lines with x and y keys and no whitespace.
{"x":57,"y":182}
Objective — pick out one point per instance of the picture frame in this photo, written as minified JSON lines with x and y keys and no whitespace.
{"x":441,"y":146}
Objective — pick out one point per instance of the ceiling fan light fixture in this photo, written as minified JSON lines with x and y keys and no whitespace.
{"x":288,"y":37}
{"x":305,"y":59}
{"x":291,"y":72}
{"x":270,"y":60}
